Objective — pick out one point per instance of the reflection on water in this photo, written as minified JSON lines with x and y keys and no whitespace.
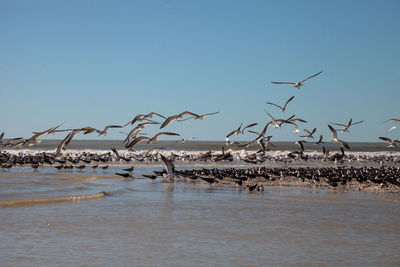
{"x":146,"y":223}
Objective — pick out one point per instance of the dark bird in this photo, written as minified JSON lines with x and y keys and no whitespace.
{"x":130,"y":169}
{"x":80,"y":167}
{"x":59,"y":167}
{"x":298,"y":84}
{"x":284,"y":107}
{"x":209,"y":180}
{"x":35,"y":165}
{"x":150,"y":176}
{"x":250,"y":187}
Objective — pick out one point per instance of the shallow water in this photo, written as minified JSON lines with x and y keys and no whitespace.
{"x":146,"y":223}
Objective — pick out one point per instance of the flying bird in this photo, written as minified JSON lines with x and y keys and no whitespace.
{"x":284,"y":107}
{"x":176,"y":117}
{"x":142,"y":117}
{"x":169,"y":164}
{"x":298,"y":84}
{"x":335,"y":138}
{"x":200,"y":117}
{"x":237,"y":131}
{"x":346,"y":126}
{"x":104,"y":132}
{"x":392,"y":143}
{"x":320,"y":140}
{"x":310,"y":133}
{"x":154,"y":139}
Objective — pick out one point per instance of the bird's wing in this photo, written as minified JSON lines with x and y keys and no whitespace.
{"x":344,"y":144}
{"x":208,"y":114}
{"x":248,"y":126}
{"x":188,"y":113}
{"x":264,"y":130}
{"x":350,"y":121}
{"x":137,"y":117}
{"x":188,"y":118}
{"x":273,"y":119}
{"x":270,"y":103}
{"x":151,"y":114}
{"x":287,"y":102}
{"x":311,"y":77}
{"x":231,"y":133}
{"x":395,"y":120}
{"x":253,"y":132}
{"x":386,"y":139}
{"x":135,"y":141}
{"x":333,"y":131}
{"x":169,"y":164}
{"x":168,"y":121}
{"x":283,"y":82}
{"x":357,"y":122}
{"x":164,"y":133}
{"x":339,"y":124}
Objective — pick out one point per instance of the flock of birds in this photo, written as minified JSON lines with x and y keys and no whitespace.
{"x":140,"y":121}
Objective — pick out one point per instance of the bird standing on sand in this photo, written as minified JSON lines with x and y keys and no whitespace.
{"x":298,"y":84}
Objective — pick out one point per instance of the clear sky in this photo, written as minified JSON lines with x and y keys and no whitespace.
{"x":93,"y":63}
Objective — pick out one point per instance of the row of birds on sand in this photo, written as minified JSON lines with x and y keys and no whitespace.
{"x":143,"y":120}
{"x":332,"y":176}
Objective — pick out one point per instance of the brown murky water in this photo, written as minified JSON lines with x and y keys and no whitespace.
{"x":145,"y":223}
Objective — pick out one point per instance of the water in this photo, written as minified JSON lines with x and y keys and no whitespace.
{"x":206,"y":145}
{"x":146,"y":223}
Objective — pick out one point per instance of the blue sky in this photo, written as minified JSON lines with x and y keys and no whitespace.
{"x":93,"y":63}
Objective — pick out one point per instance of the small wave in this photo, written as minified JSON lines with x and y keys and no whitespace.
{"x":24,"y":202}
